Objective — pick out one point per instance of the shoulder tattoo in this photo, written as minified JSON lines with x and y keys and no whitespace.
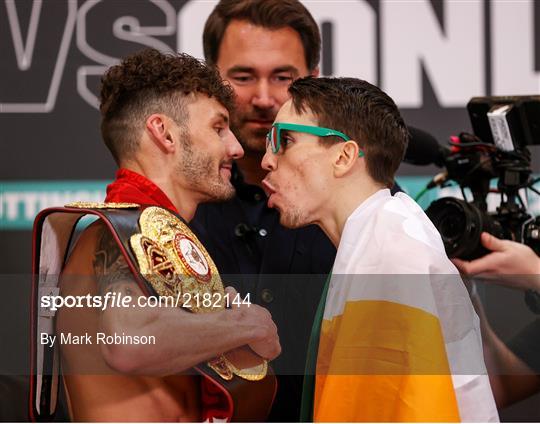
{"x":110,"y":267}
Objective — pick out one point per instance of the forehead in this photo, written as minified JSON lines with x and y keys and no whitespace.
{"x":202,"y":107}
{"x":288,"y":114}
{"x":249,"y":45}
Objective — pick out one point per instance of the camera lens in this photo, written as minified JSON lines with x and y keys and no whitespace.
{"x":451,"y":226}
{"x":460,"y":225}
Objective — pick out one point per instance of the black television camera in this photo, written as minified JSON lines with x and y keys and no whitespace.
{"x":503,"y":128}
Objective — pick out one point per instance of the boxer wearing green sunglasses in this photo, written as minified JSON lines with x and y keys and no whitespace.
{"x":273,"y":139}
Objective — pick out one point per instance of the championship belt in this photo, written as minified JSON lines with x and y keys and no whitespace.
{"x":166,"y":259}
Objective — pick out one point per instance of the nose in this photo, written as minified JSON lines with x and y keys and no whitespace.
{"x":269,"y":161}
{"x":233,"y":147}
{"x":263,"y":97}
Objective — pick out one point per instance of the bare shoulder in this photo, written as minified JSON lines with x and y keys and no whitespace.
{"x":97,"y":254}
{"x":81,"y":258}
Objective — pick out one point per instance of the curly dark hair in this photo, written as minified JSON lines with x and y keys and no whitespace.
{"x":270,"y":14}
{"x":363,"y":112}
{"x":149,"y":82}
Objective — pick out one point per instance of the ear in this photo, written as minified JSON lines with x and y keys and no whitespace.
{"x":346,"y":157}
{"x":315,"y":72}
{"x":158,"y":128}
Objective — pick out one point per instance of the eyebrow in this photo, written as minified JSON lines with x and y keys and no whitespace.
{"x":286,"y":68}
{"x":222,"y":116}
{"x":248,"y":69}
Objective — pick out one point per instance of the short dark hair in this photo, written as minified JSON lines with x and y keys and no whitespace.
{"x":361,"y":111}
{"x":152,"y":82}
{"x":271,"y":14}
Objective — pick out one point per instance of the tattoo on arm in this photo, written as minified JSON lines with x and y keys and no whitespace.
{"x":110,"y":267}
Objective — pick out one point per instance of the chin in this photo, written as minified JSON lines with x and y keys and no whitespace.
{"x":292,"y":221}
{"x":227,"y":193}
{"x":289,"y":225}
{"x":220,"y":193}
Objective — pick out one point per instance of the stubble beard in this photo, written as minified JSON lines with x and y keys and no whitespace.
{"x":292,"y":217}
{"x":202,"y":173}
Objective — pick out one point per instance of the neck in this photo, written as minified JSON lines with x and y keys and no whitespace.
{"x":250,"y":166}
{"x":182,"y":198}
{"x":343,"y":203}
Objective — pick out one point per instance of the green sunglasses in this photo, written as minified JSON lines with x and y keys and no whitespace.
{"x":273,"y":139}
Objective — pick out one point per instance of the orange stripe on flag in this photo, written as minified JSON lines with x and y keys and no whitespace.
{"x":383,"y":361}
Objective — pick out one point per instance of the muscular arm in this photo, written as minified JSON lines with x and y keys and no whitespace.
{"x":183,"y":339}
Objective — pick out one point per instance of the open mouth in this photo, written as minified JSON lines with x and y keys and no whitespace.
{"x":270,"y":190}
{"x":268,"y":187}
{"x":226,"y":169}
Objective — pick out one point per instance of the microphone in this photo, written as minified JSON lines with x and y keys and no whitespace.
{"x":423,"y":149}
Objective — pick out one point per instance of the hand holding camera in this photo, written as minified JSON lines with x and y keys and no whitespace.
{"x":510,"y":263}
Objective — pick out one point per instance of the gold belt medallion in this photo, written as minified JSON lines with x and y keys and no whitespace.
{"x":175,"y":263}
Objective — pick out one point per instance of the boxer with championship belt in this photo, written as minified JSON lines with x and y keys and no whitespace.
{"x":168,"y":261}
{"x":165,"y":119}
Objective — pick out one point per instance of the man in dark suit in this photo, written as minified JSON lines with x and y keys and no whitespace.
{"x":260,"y":47}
